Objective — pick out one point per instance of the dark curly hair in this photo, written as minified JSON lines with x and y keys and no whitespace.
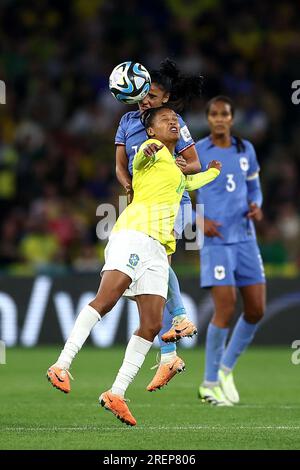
{"x":182,"y":88}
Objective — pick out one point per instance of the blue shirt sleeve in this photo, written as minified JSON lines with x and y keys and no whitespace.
{"x":121,"y":131}
{"x":253,"y":182}
{"x":186,"y":139}
{"x":254,"y":191}
{"x":253,"y":163}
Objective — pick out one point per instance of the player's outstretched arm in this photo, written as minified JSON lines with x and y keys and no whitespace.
{"x":200,"y":179}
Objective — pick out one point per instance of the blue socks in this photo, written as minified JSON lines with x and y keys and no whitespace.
{"x":174,"y":307}
{"x":174,"y":301}
{"x":217,"y":356}
{"x":215,"y":345}
{"x":242,"y":336}
{"x":166,"y":325}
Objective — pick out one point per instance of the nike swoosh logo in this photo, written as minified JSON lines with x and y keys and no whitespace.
{"x":180,"y":331}
{"x":58,"y":378}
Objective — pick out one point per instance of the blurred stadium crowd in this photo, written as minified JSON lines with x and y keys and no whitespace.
{"x":57,"y":128}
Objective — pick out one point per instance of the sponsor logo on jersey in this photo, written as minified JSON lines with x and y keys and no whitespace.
{"x":185,"y":134}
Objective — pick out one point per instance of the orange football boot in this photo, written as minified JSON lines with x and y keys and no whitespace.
{"x":165,"y":373}
{"x":181,"y":328}
{"x":59,"y":378}
{"x":117,"y":405}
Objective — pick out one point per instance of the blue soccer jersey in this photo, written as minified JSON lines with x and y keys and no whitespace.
{"x":131,"y":133}
{"x":227,"y":200}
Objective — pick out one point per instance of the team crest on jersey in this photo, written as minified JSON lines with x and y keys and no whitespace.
{"x":244,"y":164}
{"x":219,"y":273}
{"x":133,"y":260}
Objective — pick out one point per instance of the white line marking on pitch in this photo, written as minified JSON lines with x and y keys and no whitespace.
{"x":150,"y":428}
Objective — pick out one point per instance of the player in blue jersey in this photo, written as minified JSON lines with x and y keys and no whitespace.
{"x":230,"y":256}
{"x":168,"y":85}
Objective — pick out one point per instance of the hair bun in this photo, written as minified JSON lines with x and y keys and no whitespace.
{"x":169,"y":68}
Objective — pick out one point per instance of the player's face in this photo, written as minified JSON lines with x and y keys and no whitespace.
{"x":155,"y":98}
{"x":219,"y":118}
{"x":165,"y":126}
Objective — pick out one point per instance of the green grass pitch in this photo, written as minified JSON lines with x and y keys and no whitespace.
{"x":34,"y":415}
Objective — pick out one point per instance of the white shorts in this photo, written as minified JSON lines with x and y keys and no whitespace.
{"x":142,"y":258}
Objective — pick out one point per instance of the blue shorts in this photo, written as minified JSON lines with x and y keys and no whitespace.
{"x":184,"y":216}
{"x":238,"y":264}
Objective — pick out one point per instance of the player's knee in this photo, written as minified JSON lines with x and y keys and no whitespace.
{"x":155,"y":327}
{"x":229,"y":311}
{"x":103,"y":306}
{"x":255,"y":315}
{"x":152,"y":327}
{"x":223,"y":318}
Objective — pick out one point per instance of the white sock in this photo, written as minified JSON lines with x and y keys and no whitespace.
{"x":86,"y":320}
{"x":135,"y":354}
{"x":167,"y":357}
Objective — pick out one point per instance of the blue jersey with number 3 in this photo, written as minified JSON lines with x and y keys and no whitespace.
{"x":131,"y":133}
{"x":226,"y":200}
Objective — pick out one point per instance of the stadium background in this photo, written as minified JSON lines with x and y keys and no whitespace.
{"x":57,"y":131}
{"x":57,"y":165}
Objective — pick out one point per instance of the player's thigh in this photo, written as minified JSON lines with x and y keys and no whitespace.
{"x":249,"y":265}
{"x":254,"y":301}
{"x":224,"y":298}
{"x":217,"y":265}
{"x":150,"y":309}
{"x":112,"y":286}
{"x":153,"y":275}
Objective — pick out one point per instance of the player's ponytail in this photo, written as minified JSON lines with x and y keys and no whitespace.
{"x":165,"y":75}
{"x":182,"y":88}
{"x":240,"y":146}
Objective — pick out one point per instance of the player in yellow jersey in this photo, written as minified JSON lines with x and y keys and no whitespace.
{"x":136,"y":257}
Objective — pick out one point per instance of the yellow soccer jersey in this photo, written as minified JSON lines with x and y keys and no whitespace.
{"x":158,"y":184}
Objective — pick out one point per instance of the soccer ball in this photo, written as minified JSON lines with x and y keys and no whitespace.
{"x":129,"y":82}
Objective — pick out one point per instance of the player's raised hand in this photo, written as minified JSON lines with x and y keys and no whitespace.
{"x":255,"y":212}
{"x":151,"y":149}
{"x":181,"y":163}
{"x":211,"y":228}
{"x":215,"y":164}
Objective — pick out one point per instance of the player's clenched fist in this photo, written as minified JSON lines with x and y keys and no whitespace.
{"x":151,"y":149}
{"x":181,"y":163}
{"x":215,"y":164}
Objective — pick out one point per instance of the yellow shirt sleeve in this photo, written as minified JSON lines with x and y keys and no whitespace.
{"x":140,"y":160}
{"x":193,"y":182}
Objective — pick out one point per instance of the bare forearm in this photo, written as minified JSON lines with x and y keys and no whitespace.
{"x":123,"y":176}
{"x":193,"y":164}
{"x":192,"y":168}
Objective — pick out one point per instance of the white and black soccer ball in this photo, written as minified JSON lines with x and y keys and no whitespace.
{"x":129,"y":82}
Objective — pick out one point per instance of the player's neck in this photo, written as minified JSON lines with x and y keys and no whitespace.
{"x":221,"y":140}
{"x":170,"y":146}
